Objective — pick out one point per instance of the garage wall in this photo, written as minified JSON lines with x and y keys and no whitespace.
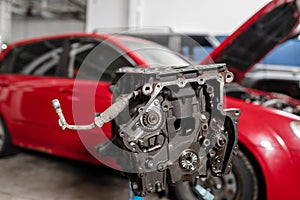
{"x":23,"y":27}
{"x":5,"y":21}
{"x":202,"y":16}
{"x":212,"y":16}
{"x":106,"y":13}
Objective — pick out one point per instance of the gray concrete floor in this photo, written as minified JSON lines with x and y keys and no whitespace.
{"x":35,"y":176}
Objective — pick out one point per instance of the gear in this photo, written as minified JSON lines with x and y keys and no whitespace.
{"x":151,"y":119}
{"x":188,"y":160}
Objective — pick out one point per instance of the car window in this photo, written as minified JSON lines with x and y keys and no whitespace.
{"x":95,"y":60}
{"x":280,"y":86}
{"x":6,"y":62}
{"x":285,"y":54}
{"x":196,"y":53}
{"x":154,"y":54}
{"x":40,"y":58}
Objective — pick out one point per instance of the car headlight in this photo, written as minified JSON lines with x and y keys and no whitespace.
{"x":295,"y":126}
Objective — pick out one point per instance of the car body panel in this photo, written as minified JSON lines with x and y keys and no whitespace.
{"x":263,"y":132}
{"x":33,"y":122}
{"x":25,"y":102}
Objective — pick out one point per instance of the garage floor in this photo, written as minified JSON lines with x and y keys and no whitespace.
{"x":34,"y":176}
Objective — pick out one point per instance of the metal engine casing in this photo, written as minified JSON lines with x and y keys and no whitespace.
{"x":175,"y":128}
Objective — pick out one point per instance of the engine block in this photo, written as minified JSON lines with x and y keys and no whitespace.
{"x":175,"y":127}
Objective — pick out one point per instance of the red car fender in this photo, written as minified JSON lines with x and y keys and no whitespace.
{"x":273,"y":145}
{"x":277,"y":168}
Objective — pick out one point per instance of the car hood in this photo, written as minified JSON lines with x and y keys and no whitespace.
{"x":267,"y":28}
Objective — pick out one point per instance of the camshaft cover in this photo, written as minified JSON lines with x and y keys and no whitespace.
{"x":175,"y":127}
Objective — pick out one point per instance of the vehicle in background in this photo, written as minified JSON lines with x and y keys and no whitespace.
{"x":35,"y":71}
{"x":263,"y":151}
{"x":194,"y":47}
{"x":276,"y":72}
{"x":275,"y":78}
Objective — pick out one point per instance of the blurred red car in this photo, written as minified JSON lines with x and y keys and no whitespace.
{"x":33,"y":72}
{"x":268,"y":138}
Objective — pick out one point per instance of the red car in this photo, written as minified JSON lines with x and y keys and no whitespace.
{"x":268,"y":138}
{"x":33,"y":72}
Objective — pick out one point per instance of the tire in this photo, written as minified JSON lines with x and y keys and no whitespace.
{"x":6,"y":146}
{"x":241,"y":184}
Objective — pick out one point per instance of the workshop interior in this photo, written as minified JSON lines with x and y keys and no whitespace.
{"x":149,"y":100}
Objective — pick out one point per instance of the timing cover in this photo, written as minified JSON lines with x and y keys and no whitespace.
{"x":175,"y":128}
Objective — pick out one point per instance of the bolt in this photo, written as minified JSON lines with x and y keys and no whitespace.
{"x":150,"y":163}
{"x":132,"y":144}
{"x":236,"y":148}
{"x":214,"y":168}
{"x":206,"y":142}
{"x":135,"y":186}
{"x":160,"y":167}
{"x":150,"y":187}
{"x":222,"y":141}
{"x":158,"y":187}
{"x":212,"y":153}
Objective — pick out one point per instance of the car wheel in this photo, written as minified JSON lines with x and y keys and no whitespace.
{"x":6,"y":146}
{"x":241,"y":184}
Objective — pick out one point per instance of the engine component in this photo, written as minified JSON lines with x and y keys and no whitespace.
{"x":174,"y":128}
{"x":170,"y":125}
{"x":267,"y":99}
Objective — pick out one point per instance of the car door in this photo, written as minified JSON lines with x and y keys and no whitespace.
{"x":6,"y":58}
{"x":29,"y":88}
{"x":83,"y":90}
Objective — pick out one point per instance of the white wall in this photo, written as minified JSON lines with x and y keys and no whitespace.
{"x":5,"y":21}
{"x":106,"y":13}
{"x":211,"y":16}
{"x":202,"y":16}
{"x":27,"y":27}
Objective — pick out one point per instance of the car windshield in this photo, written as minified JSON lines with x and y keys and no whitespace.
{"x":154,"y":54}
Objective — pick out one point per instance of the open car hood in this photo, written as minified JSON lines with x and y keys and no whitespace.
{"x":267,"y":28}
